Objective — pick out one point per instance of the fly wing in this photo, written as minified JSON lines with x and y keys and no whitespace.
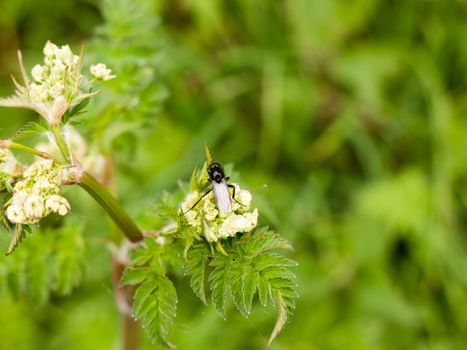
{"x":222,"y":195}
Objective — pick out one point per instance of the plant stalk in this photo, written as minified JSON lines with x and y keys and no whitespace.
{"x":21,"y":147}
{"x":61,"y":142}
{"x":111,"y":206}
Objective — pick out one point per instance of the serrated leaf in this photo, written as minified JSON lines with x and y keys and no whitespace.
{"x":141,"y":298}
{"x":18,"y":237}
{"x":281,"y":317}
{"x":250,"y":281}
{"x":262,"y":262}
{"x":69,"y":258}
{"x":134,"y":276}
{"x":237,"y":276}
{"x":70,"y":116}
{"x":196,"y":264}
{"x":29,"y":129}
{"x":268,"y":272}
{"x":278,"y":272}
{"x":155,"y":304}
{"x":140,"y":256}
{"x":219,"y":282}
{"x":263,"y":289}
{"x":261,"y":241}
{"x":149,"y":253}
{"x":189,"y":240}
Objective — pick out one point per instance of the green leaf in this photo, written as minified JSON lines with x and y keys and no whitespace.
{"x":69,"y":258}
{"x":134,"y":276}
{"x":262,"y":240}
{"x":195,"y":267}
{"x":155,"y":305}
{"x":269,"y":273}
{"x":18,"y":237}
{"x":208,"y":153}
{"x":263,"y":289}
{"x":70,"y":116}
{"x":281,"y":317}
{"x":150,"y":253}
{"x":219,"y":282}
{"x":266,"y":260}
{"x":237,"y":277}
{"x":250,"y":281}
{"x":194,"y":184}
{"x":29,"y":129}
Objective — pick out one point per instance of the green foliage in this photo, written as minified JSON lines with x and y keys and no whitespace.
{"x":19,"y":235}
{"x":50,"y":261}
{"x":29,"y":129}
{"x":197,"y":259}
{"x":155,"y":297}
{"x":353,"y":114}
{"x":251,"y":266}
{"x":155,"y":302}
{"x":131,"y":46}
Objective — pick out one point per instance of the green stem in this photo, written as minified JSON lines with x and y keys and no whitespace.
{"x":111,"y":206}
{"x":28,"y":149}
{"x":61,"y":142}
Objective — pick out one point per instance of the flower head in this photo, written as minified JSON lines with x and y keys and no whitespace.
{"x":9,"y":168}
{"x":207,"y":220}
{"x":57,"y":85}
{"x":101,"y":72}
{"x":36,"y":195}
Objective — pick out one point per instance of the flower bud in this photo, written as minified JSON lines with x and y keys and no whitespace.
{"x":101,"y":72}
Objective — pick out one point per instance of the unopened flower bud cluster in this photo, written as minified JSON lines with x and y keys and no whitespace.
{"x":60,"y":75}
{"x":9,"y":168}
{"x":37,"y":194}
{"x":101,"y":72}
{"x":206,"y":219}
{"x":61,"y":69}
{"x":57,"y":84}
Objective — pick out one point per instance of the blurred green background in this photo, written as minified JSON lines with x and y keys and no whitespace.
{"x":353,"y":115}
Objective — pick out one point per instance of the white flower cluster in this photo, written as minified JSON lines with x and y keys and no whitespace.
{"x":57,"y":85}
{"x":206,"y":219}
{"x":9,"y":168}
{"x":37,"y":194}
{"x":101,"y":72}
{"x":61,"y":67}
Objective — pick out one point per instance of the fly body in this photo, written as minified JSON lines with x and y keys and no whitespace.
{"x":220,"y":189}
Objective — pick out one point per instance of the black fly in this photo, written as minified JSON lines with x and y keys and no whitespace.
{"x":220,"y":188}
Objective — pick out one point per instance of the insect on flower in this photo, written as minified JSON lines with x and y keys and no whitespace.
{"x":220,"y":188}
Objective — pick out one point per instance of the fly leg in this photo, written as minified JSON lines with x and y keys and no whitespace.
{"x":199,"y":200}
{"x":233,"y":195}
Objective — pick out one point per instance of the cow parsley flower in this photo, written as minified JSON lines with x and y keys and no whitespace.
{"x":101,"y":72}
{"x":56,"y":86}
{"x":206,"y":219}
{"x":9,"y":168}
{"x":37,"y":194}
